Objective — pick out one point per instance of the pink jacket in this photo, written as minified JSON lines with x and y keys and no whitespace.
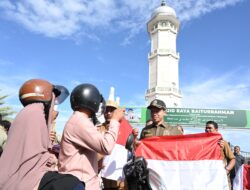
{"x":79,"y":147}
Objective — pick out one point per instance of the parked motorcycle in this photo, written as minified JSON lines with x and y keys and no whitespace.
{"x":136,"y":171}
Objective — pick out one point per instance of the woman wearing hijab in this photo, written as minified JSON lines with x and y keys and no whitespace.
{"x":24,"y":160}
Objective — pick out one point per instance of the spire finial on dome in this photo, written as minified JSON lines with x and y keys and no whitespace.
{"x":163,"y":3}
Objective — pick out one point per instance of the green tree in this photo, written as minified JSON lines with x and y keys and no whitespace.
{"x":5,"y":111}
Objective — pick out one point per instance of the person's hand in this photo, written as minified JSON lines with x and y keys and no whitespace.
{"x":180,"y":128}
{"x":137,"y":142}
{"x":54,"y":114}
{"x":52,"y":161}
{"x":221,"y":143}
{"x":227,"y":170}
{"x":100,"y":164}
{"x":52,"y":136}
{"x":118,"y":114}
{"x":135,"y":132}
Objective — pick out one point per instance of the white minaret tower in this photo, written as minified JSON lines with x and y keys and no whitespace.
{"x":112,"y":94}
{"x":163,"y":59}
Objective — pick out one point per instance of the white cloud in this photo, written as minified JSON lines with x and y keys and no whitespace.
{"x":190,"y":9}
{"x":228,"y":91}
{"x":9,"y":85}
{"x":75,"y":82}
{"x":68,"y":18}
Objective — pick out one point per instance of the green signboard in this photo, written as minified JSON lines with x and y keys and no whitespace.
{"x":194,"y":116}
{"x":198,"y":117}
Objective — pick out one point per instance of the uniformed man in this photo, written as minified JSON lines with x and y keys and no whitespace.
{"x":111,"y":106}
{"x":108,"y":184}
{"x":158,"y":127}
{"x":226,"y":152}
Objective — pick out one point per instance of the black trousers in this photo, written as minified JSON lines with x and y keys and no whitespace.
{"x":56,"y":181}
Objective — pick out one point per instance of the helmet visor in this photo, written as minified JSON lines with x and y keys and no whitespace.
{"x":101,"y":108}
{"x":61,"y":93}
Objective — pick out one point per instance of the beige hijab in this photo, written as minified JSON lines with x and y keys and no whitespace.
{"x":23,"y":162}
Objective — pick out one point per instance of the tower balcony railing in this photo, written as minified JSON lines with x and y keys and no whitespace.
{"x":164,"y":90}
{"x":173,"y":29}
{"x":164,"y":52}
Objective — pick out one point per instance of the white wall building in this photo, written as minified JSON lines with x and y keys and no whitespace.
{"x":163,"y":59}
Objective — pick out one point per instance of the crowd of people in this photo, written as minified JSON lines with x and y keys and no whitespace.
{"x":31,"y":157}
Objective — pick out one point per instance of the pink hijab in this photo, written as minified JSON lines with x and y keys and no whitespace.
{"x":23,"y":162}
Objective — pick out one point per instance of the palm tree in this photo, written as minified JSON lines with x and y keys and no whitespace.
{"x":5,"y":111}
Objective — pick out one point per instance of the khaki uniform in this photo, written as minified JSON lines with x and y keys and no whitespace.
{"x":227,"y":155}
{"x":163,"y":129}
{"x":107,"y":183}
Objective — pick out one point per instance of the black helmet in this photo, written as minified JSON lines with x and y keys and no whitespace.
{"x":86,"y":96}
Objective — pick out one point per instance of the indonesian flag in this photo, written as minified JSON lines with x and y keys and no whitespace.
{"x":242,"y":178}
{"x":184,"y":162}
{"x":113,"y":164}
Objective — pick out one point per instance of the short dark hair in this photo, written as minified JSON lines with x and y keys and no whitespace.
{"x":212,"y":123}
{"x":6,"y":124}
{"x":237,"y":146}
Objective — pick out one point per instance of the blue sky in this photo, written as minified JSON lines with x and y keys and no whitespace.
{"x":105,"y":42}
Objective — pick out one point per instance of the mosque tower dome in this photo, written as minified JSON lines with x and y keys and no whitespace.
{"x":164,"y":9}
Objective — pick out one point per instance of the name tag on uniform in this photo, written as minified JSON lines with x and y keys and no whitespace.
{"x":147,"y":134}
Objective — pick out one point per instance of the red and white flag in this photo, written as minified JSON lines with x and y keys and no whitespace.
{"x":184,"y":162}
{"x":242,"y":178}
{"x":113,"y":164}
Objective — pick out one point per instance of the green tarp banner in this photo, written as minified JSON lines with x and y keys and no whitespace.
{"x":194,"y":116}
